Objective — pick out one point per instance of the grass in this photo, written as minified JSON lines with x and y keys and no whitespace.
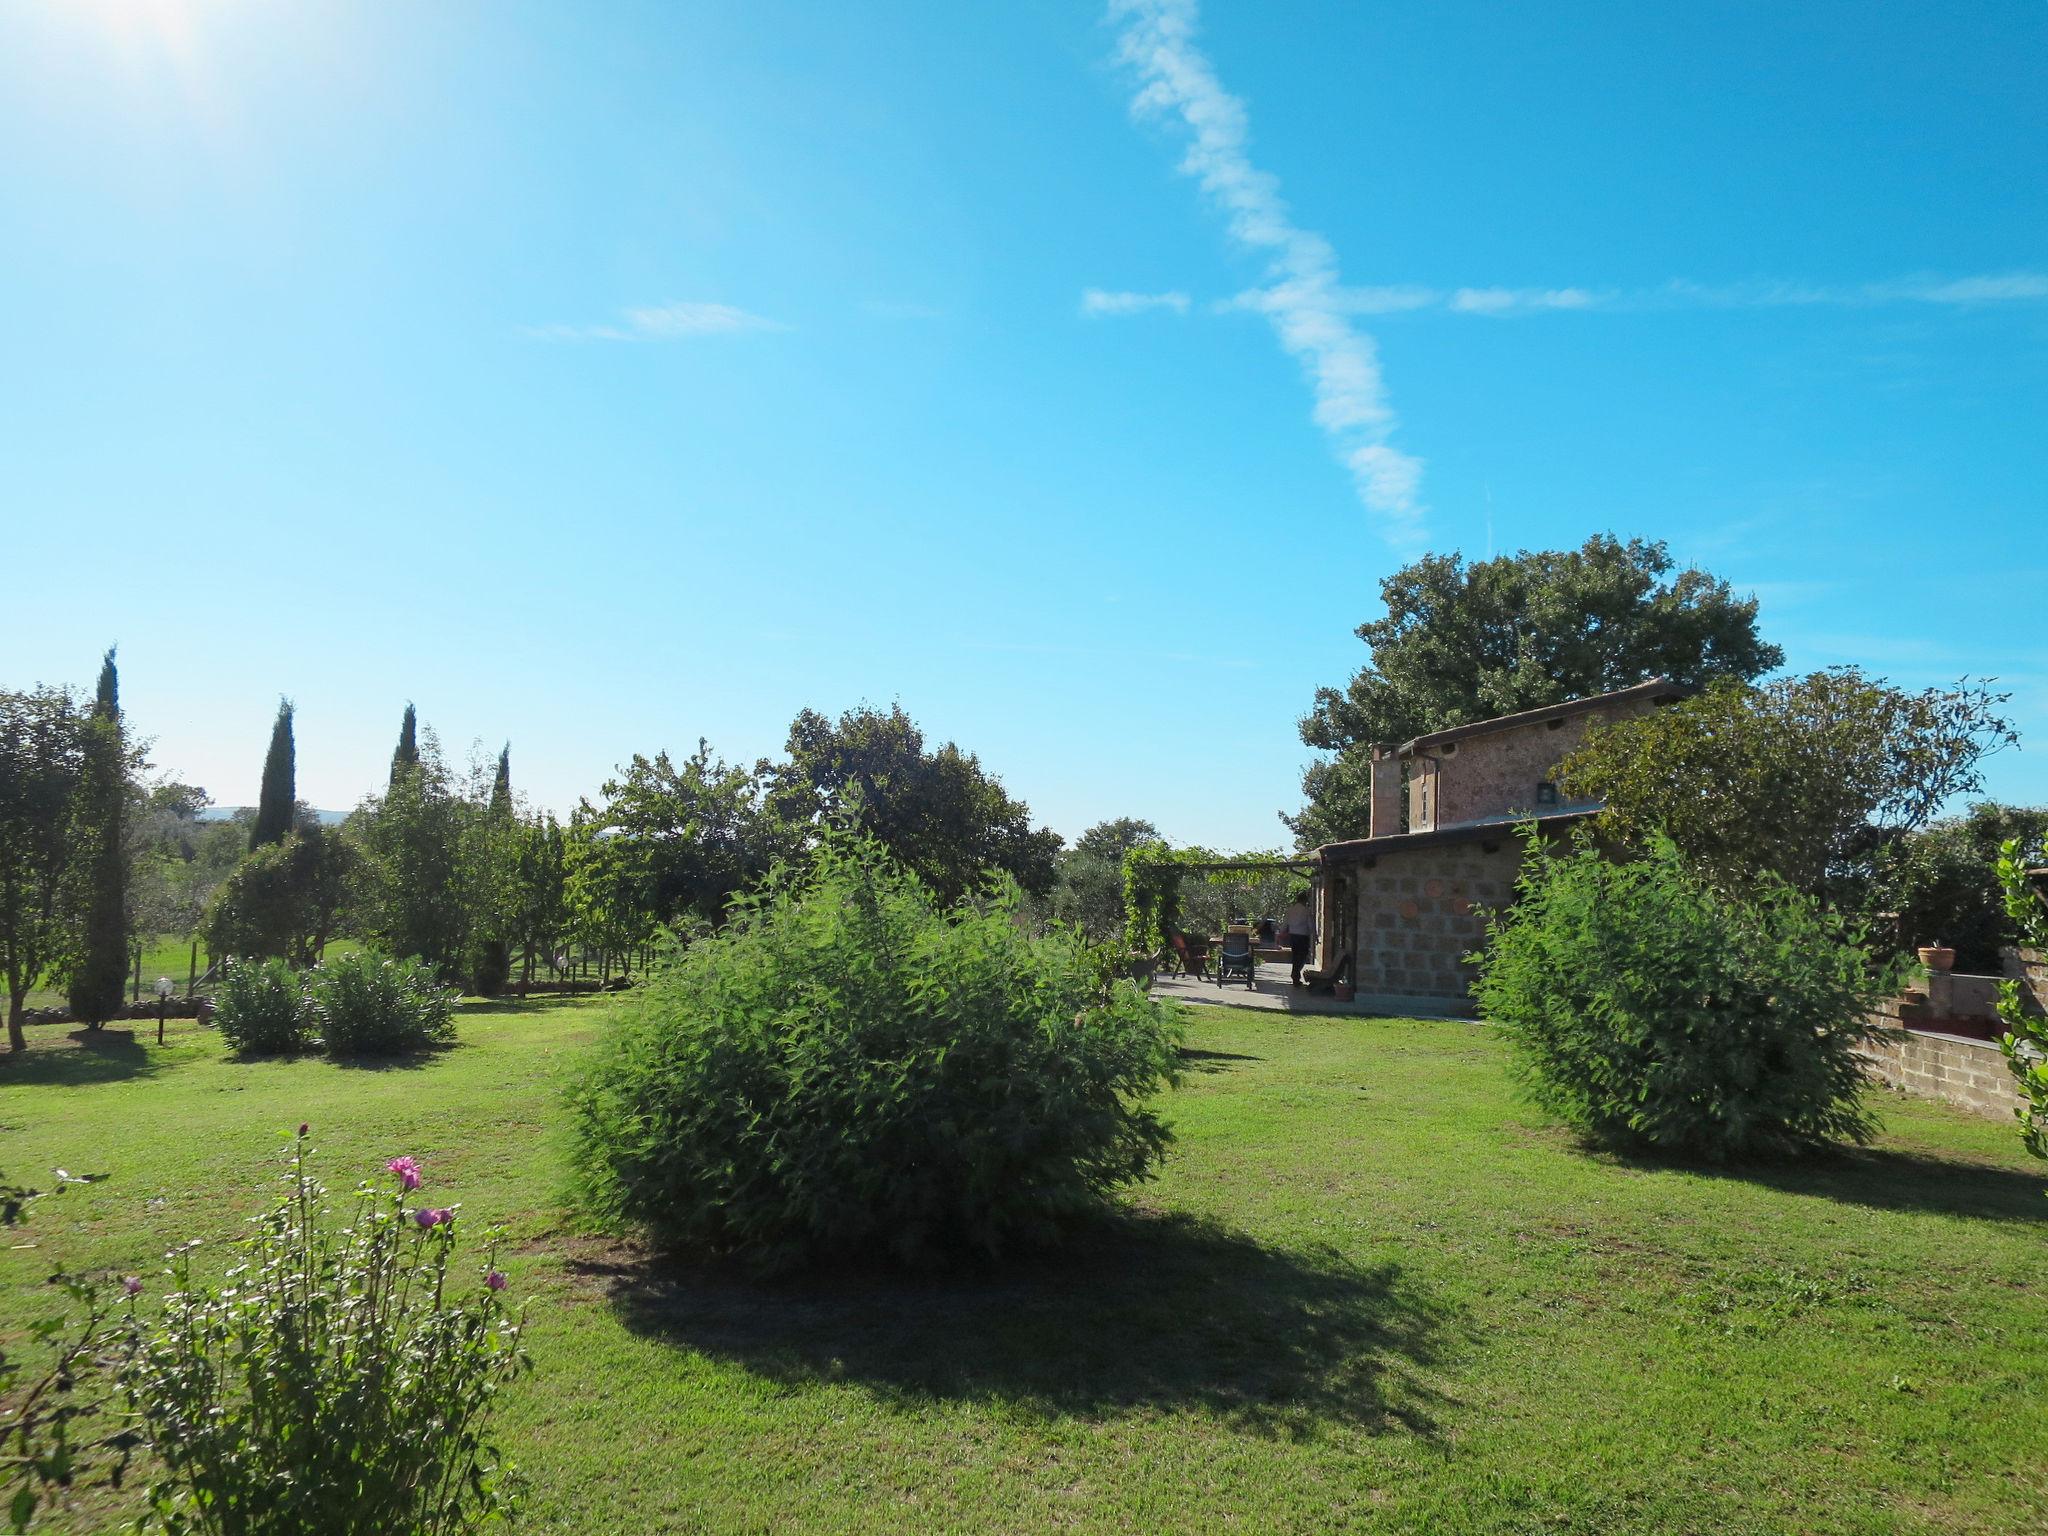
{"x":1371,"y":1292}
{"x":164,"y":955}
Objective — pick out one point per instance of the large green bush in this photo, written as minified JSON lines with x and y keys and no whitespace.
{"x":852,"y":1070}
{"x":1645,"y":1005}
{"x":365,"y":1005}
{"x":260,"y":1006}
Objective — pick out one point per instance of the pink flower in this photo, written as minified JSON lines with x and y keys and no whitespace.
{"x":495,"y":1281}
{"x":133,"y":1284}
{"x":429,"y":1219}
{"x":407,"y":1170}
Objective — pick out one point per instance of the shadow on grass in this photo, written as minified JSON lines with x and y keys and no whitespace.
{"x":1212,"y":1061}
{"x":93,"y":1056}
{"x":1143,"y":1311}
{"x":537,"y":1003}
{"x":401,"y":1061}
{"x":1887,"y":1179}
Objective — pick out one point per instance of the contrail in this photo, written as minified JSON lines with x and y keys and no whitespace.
{"x":1304,"y":297}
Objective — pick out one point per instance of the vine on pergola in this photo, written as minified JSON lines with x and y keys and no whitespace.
{"x":1153,"y":873}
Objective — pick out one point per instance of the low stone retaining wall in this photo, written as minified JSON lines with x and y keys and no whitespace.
{"x":1970,"y":1074}
{"x":179,"y":1007}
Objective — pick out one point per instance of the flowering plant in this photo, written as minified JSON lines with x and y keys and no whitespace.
{"x":336,"y":1379}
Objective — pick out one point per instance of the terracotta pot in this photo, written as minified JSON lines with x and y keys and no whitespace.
{"x":1937,"y":957}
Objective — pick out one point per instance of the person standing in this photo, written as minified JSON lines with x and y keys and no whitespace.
{"x":1299,"y":923}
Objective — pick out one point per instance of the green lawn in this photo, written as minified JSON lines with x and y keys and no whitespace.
{"x":165,"y":955}
{"x":1371,"y":1292}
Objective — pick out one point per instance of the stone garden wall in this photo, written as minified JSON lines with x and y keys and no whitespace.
{"x":1953,"y":1069}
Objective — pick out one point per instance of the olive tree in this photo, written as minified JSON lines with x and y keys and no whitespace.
{"x":1805,"y":778}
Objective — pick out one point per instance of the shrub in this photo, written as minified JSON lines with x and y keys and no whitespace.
{"x":850,"y":1069}
{"x":261,"y":1008}
{"x":490,"y":966}
{"x":338,"y":1382}
{"x":1645,"y":1005}
{"x":365,"y":1005}
{"x":2025,"y":1041}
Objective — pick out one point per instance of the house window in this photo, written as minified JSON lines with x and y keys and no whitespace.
{"x":1546,"y":793}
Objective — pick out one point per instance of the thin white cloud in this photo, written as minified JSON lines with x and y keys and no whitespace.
{"x":2002,"y":288}
{"x":1958,"y":292}
{"x":1508,"y":301}
{"x":674,"y":321}
{"x":1303,"y":299}
{"x":1680,"y":293}
{"x":1097,"y":302}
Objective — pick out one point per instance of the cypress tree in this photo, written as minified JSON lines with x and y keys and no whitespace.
{"x":101,"y":965}
{"x":406,"y":755}
{"x":279,"y":799}
{"x":501,"y":787}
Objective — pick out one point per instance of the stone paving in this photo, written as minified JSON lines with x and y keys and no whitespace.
{"x":1275,"y":994}
{"x":1272,"y":992}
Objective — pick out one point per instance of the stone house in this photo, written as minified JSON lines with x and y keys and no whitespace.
{"x":1398,"y":910}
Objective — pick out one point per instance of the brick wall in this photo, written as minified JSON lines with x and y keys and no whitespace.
{"x":1420,"y":912}
{"x":1495,"y":773}
{"x":1970,"y":1074}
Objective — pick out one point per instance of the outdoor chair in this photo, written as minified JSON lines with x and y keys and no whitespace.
{"x":1192,"y":953}
{"x":1235,"y":958}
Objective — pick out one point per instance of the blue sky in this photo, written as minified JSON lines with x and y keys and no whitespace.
{"x":602,"y":377}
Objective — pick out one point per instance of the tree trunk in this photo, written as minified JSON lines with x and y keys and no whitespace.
{"x":135,"y":987}
{"x":192,"y":970}
{"x":17,"y":1038}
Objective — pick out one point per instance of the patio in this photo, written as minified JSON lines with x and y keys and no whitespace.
{"x":1274,"y":994}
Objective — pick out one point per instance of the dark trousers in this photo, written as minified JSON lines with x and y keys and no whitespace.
{"x":1298,"y":942}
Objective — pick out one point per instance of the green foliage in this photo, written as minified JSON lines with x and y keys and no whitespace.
{"x":1943,"y":883}
{"x":339,"y":1381}
{"x":260,"y":1007}
{"x":540,"y":910}
{"x":277,"y":800}
{"x":406,"y":755}
{"x":1158,"y":902}
{"x":41,"y":757}
{"x":1090,"y":889}
{"x":489,"y":967}
{"x":1802,"y":779}
{"x":2025,"y":1041}
{"x":99,"y":967}
{"x":362,"y":1004}
{"x":284,"y":899}
{"x":1646,"y":1005}
{"x":940,"y":813}
{"x":852,"y":1070}
{"x":669,"y":845}
{"x":412,"y":895}
{"x":1460,"y":643}
{"x":501,"y":783}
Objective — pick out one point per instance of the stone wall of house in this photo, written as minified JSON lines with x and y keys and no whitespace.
{"x":1971,"y":1074}
{"x":1418,"y":913}
{"x":1496,"y":773}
